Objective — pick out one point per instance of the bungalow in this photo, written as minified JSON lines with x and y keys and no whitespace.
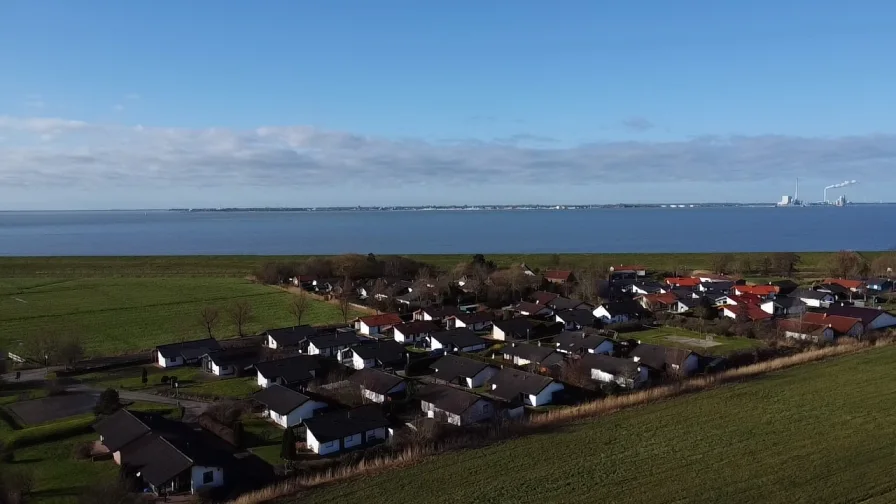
{"x":713,"y":277}
{"x":526,"y":270}
{"x":456,"y":340}
{"x":534,"y":390}
{"x":378,"y":386}
{"x":413,"y":299}
{"x":477,"y":321}
{"x":332,"y":344}
{"x":436,"y":313}
{"x":657,"y":302}
{"x":454,"y":406}
{"x":528,"y":309}
{"x":187,"y":352}
{"x":543,"y":297}
{"x":666,"y":359}
{"x":576,"y":320}
{"x":384,"y":354}
{"x":618,"y":312}
{"x":743,"y":299}
{"x":377,"y":324}
{"x":626,"y":373}
{"x":842,"y":325}
{"x":633,"y":269}
{"x":763,"y":291}
{"x":814,"y":298}
{"x":523,"y":354}
{"x":685,"y":305}
{"x":839,"y":292}
{"x":718,"y":286}
{"x":785,"y":287}
{"x":286,"y":337}
{"x":689,"y":282}
{"x":230,"y":362}
{"x":559,"y":277}
{"x":513,"y":329}
{"x":879,"y":284}
{"x":561,"y":303}
{"x":852,"y":285}
{"x":413,"y":332}
{"x":794,"y":328}
{"x":344,"y":430}
{"x":645,"y":288}
{"x":581,"y":343}
{"x":289,"y":372}
{"x":461,"y":371}
{"x":286,"y":407}
{"x":872,"y":318}
{"x":751,"y":311}
{"x":783,"y":306}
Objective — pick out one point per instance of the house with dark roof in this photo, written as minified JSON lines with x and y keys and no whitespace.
{"x":666,"y":359}
{"x":624,"y":372}
{"x":561,"y":304}
{"x":533,"y":390}
{"x":413,"y":332}
{"x":879,"y":284}
{"x":454,"y":406}
{"x":436,"y":313}
{"x":381,"y":354}
{"x":341,"y":431}
{"x":518,"y":328}
{"x":716,"y":286}
{"x":523,"y":354}
{"x":577,"y":342}
{"x":285,"y":337}
{"x":477,"y":321}
{"x":872,"y":318}
{"x":814,"y":298}
{"x":461,"y":371}
{"x":378,"y":386}
{"x":456,"y":340}
{"x":332,"y":344}
{"x":685,"y":305}
{"x":782,"y":306}
{"x":543,"y":297}
{"x":576,"y":320}
{"x":230,"y":361}
{"x":527,"y":309}
{"x":187,"y":352}
{"x":286,"y":407}
{"x":646,"y":288}
{"x":618,"y":312}
{"x":289,"y":372}
{"x":785,"y":287}
{"x":377,"y":324}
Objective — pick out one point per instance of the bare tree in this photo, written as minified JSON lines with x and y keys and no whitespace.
{"x":241,"y":314}
{"x":378,"y":294}
{"x":784,"y":263}
{"x":847,"y":263}
{"x":69,"y":350}
{"x":298,"y":305}
{"x":884,"y":265}
{"x":764,"y":265}
{"x":344,"y":299}
{"x":209,"y":318}
{"x":41,"y":347}
{"x":721,"y":263}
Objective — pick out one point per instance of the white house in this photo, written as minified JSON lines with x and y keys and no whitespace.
{"x":872,"y":318}
{"x":814,"y":298}
{"x":435,"y":313}
{"x":468,"y":373}
{"x":477,"y":321}
{"x":379,"y":354}
{"x":377,"y":324}
{"x":345,"y":430}
{"x":523,"y":354}
{"x":783,"y":306}
{"x":533,"y":390}
{"x":332,"y":344}
{"x":413,"y":332}
{"x":456,"y":340}
{"x":287,"y":408}
{"x":528,"y":309}
{"x":666,"y":359}
{"x":229,"y":362}
{"x":519,"y":328}
{"x":378,"y":386}
{"x":581,"y":343}
{"x":794,"y":328}
{"x":288,"y":336}
{"x":290,"y":371}
{"x":617,"y":312}
{"x":187,"y":352}
{"x":624,"y":372}
{"x":454,"y":406}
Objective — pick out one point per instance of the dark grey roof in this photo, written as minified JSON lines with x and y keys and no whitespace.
{"x":280,"y":399}
{"x":119,"y":429}
{"x":611,"y":365}
{"x":577,"y":342}
{"x":335,"y":339}
{"x":690,"y":302}
{"x":562,"y":303}
{"x":340,"y":424}
{"x":509,"y":383}
{"x":785,"y":286}
{"x":417,"y":327}
{"x":451,"y":367}
{"x":658,"y":357}
{"x":291,"y":336}
{"x":189,"y":349}
{"x":626,"y":307}
{"x":476,"y":317}
{"x":376,"y":381}
{"x":866,"y":315}
{"x":834,"y":288}
{"x":683,"y":293}
{"x":156,"y":458}
{"x":718,"y":286}
{"x":531,"y":308}
{"x":786,"y":302}
{"x":447,"y":398}
{"x":532,"y":353}
{"x":518,"y":326}
{"x":291,"y":369}
{"x":810,"y":294}
{"x":580,"y":317}
{"x":238,"y":356}
{"x":461,"y":337}
{"x":440,"y":312}
{"x":386,"y":352}
{"x":649,"y":287}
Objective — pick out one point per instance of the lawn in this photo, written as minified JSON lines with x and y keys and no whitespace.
{"x":814,"y":433}
{"x":117,"y":315}
{"x":660,"y":336}
{"x":264,"y":439}
{"x":191,"y":381}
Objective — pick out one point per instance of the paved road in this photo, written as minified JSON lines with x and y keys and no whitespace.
{"x":30,"y":375}
{"x":192,"y":409}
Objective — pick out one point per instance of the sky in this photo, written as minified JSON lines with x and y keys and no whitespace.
{"x":155,"y":104}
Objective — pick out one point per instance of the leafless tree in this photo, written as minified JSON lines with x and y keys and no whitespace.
{"x":209,"y":318}
{"x":784,"y":263}
{"x":42,"y":347}
{"x":345,"y":299}
{"x":241,"y":314}
{"x":574,"y":372}
{"x":69,"y":350}
{"x":884,"y":265}
{"x":764,"y":265}
{"x":298,"y":305}
{"x":721,"y":263}
{"x":847,"y":263}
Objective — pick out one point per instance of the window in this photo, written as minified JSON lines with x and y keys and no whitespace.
{"x":208,"y":477}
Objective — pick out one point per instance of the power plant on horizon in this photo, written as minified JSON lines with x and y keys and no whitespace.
{"x":795,"y":200}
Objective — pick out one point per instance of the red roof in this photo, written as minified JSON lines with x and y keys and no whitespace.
{"x":839,"y":323}
{"x":542,"y":297}
{"x":843,"y":282}
{"x":747,"y":299}
{"x":683,"y":281}
{"x":794,"y":325}
{"x":381,"y":320}
{"x":759,"y":290}
{"x":558,"y":274}
{"x":667,"y":298}
{"x":753,"y":312}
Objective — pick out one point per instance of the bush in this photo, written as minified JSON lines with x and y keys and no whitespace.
{"x":108,"y":402}
{"x":82,"y":451}
{"x":165,"y":379}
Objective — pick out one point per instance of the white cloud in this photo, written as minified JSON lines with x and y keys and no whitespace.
{"x":82,"y":154}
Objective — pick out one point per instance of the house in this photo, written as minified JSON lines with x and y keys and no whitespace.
{"x":782,"y":306}
{"x":513,"y":329}
{"x":795,"y":328}
{"x":543,"y":297}
{"x":872,"y":318}
{"x":378,"y":386}
{"x":528,"y":309}
{"x":559,"y":277}
{"x":534,"y":390}
{"x":560,"y":303}
{"x":839,"y":292}
{"x":618,"y":312}
{"x":814,"y":298}
{"x":842,"y":326}
{"x":477,"y":321}
{"x":187,"y":352}
{"x":743,"y":299}
{"x":629,"y":269}
{"x":413,"y":298}
{"x":717,"y":286}
{"x":377,"y":324}
{"x":683,"y":282}
{"x":657,"y":302}
{"x":286,"y":407}
{"x":580,"y":343}
{"x":751,"y":311}
{"x":456,"y":340}
{"x":526,"y":270}
{"x":852,"y":285}
{"x":785,"y":287}
{"x":645,"y":288}
{"x":461,"y":371}
{"x":685,"y":305}
{"x":666,"y":359}
{"x":410,"y":333}
{"x":522,"y":354}
{"x":288,"y":372}
{"x":714,"y":278}
{"x":879,"y":284}
{"x":287,"y":337}
{"x":436,"y":313}
{"x":624,"y":372}
{"x":763,"y":291}
{"x":454,"y":406}
{"x":383,"y":354}
{"x":230,"y":362}
{"x":576,"y":320}
{"x":332,"y":344}
{"x":345,"y":430}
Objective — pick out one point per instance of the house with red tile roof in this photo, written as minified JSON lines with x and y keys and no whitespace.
{"x":753,"y":312}
{"x":852,"y":285}
{"x":842,"y":326}
{"x":683,"y":281}
{"x":763,"y":291}
{"x":377,"y":324}
{"x":657,"y":302}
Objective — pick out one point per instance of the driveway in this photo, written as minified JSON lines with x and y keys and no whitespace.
{"x":192,"y":409}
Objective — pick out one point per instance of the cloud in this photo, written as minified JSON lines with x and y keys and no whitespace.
{"x":638,"y":123}
{"x":90,"y":154}
{"x":523,"y":138}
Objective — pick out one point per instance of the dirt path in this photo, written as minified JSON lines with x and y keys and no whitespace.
{"x":316,"y":297}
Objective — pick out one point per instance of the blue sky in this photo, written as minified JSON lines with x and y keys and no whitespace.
{"x":110,"y":104}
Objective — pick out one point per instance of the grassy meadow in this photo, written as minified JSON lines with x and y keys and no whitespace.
{"x":726,"y":344}
{"x":814,"y":433}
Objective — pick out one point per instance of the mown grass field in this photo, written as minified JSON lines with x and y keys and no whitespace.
{"x":814,"y":433}
{"x":192,"y":381}
{"x":115,"y":315}
{"x":726,"y":344}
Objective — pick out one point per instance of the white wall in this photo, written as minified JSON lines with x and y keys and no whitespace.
{"x":172,"y":362}
{"x":474,"y":348}
{"x":262,"y":381}
{"x":498,"y":334}
{"x":482,"y":377}
{"x":358,"y":363}
{"x":366,"y":329}
{"x":196,"y":477}
{"x":353,"y":440}
{"x":602,"y":313}
{"x":380,"y":398}
{"x":598,"y":375}
{"x":271,"y":343}
{"x":296,"y":416}
{"x":545,"y":396}
{"x":827,"y":335}
{"x":321,"y":448}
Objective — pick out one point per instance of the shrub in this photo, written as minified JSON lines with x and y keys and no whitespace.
{"x":108,"y":402}
{"x":165,"y":379}
{"x":82,"y":451}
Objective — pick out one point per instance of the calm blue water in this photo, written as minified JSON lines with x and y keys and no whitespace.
{"x":444,"y":232}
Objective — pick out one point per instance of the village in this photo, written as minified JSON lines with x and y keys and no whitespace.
{"x":417,"y":366}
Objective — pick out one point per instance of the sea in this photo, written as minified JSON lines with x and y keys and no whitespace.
{"x":609,"y":230}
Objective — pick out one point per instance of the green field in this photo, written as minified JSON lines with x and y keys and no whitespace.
{"x":726,"y":344}
{"x":815,"y":433}
{"x":192,"y":381}
{"x":114,"y":315}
